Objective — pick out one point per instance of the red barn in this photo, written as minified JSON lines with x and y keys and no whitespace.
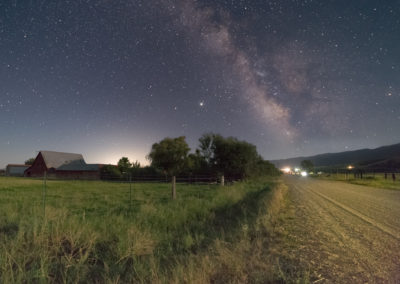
{"x":63,"y":166}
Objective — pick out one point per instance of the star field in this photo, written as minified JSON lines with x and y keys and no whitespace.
{"x":109,"y":78}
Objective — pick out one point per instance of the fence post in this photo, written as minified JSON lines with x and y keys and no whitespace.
{"x":44,"y":193}
{"x":222,"y":180}
{"x":393,"y":177}
{"x":385,"y":175}
{"x":130,"y":192}
{"x":174,"y":187}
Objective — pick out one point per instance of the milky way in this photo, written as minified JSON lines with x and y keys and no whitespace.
{"x":109,"y":78}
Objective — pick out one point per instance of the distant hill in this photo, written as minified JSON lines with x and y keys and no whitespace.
{"x":382,"y":157}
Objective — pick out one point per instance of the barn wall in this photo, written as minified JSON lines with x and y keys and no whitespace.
{"x":38,"y":167}
{"x":15,"y":170}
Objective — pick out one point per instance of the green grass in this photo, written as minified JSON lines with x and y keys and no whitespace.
{"x":374,"y":180}
{"x":91,"y":231}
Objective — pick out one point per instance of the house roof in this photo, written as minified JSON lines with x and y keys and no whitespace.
{"x":67,"y":161}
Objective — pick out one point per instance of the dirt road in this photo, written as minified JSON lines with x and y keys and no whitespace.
{"x":343,"y":233}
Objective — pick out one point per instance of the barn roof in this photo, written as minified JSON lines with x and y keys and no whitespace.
{"x":57,"y":159}
{"x":67,"y":161}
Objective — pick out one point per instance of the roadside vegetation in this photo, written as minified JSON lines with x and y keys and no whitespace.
{"x":89,"y":231}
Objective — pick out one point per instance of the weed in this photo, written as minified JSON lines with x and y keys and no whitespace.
{"x":92,"y":233}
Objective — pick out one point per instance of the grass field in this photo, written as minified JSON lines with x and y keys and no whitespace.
{"x":374,"y":180}
{"x":89,"y":231}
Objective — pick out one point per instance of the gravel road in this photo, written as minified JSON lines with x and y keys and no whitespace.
{"x":343,"y":233}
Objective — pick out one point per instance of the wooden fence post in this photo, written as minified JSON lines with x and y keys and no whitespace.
{"x":130,"y":192}
{"x":44,"y":193}
{"x":222,"y":180}
{"x":393,"y":177}
{"x":174,"y":187}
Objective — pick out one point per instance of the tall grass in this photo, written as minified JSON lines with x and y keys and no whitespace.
{"x":90,"y":231}
{"x":248,"y":256}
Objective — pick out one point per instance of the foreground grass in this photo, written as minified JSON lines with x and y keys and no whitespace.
{"x":97,"y":232}
{"x":374,"y":180}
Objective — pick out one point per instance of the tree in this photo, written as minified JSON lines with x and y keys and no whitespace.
{"x":29,"y":161}
{"x":307,"y":165}
{"x":124,"y":165}
{"x":110,"y":172}
{"x":169,"y":155}
{"x":135,"y":168}
{"x":228,"y":156}
{"x":206,"y":147}
{"x":136,"y":165}
{"x":263,"y":168}
{"x":196,"y":164}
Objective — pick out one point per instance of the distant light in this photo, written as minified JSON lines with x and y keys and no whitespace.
{"x":286,"y":170}
{"x":304,"y":174}
{"x":296,"y":170}
{"x":201,"y":103}
{"x":350,"y":167}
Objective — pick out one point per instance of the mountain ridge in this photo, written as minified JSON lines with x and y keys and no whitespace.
{"x":387,"y":156}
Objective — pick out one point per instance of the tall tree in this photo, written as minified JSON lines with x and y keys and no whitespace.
{"x":169,"y":155}
{"x":228,"y":156}
{"x":307,"y":165}
{"x":29,"y":161}
{"x":124,"y":165}
{"x":110,"y":172}
{"x":206,"y":147}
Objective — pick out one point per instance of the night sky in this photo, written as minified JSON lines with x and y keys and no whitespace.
{"x":110,"y":78}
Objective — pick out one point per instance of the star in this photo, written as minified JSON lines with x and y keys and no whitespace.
{"x":238,"y":68}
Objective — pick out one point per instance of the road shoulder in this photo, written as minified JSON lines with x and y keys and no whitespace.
{"x":320,"y":242}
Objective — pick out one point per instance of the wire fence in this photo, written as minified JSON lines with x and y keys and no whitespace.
{"x":110,"y":194}
{"x":192,"y":179}
{"x":354,"y":173}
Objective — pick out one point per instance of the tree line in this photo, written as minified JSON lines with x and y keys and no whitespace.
{"x":215,"y":155}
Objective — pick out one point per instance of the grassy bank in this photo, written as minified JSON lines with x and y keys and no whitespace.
{"x":96,"y":231}
{"x":374,"y":180}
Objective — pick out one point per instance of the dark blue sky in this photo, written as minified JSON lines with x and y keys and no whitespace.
{"x":109,"y":78}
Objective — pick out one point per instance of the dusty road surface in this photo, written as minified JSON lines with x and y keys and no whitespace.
{"x":343,"y":233}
